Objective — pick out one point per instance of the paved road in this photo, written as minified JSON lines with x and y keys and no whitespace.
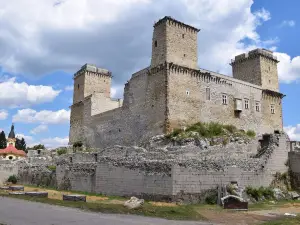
{"x":20,"y":212}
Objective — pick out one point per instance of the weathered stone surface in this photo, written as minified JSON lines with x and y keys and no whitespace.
{"x":37,"y":194}
{"x":4,"y":188}
{"x":134,"y":203}
{"x":16,"y":188}
{"x":77,"y":198}
{"x":16,"y":193}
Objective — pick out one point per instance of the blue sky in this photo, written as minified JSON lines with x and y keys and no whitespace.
{"x":41,"y":48}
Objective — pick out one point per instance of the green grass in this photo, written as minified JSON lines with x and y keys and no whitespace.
{"x":284,"y":221}
{"x":209,"y":130}
{"x":184,"y":212}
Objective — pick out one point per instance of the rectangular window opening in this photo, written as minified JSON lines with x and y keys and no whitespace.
{"x":224,"y":99}
{"x":257,"y":106}
{"x":273,"y":109}
{"x":246,"y":103}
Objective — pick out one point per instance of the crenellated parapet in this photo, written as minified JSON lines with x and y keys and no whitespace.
{"x":90,"y":69}
{"x":173,"y":22}
{"x":254,"y":54}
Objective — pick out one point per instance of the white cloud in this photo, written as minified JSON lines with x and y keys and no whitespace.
{"x":288,"y":68}
{"x":3,"y":114}
{"x":15,"y":94}
{"x":44,"y":117}
{"x":39,"y":129}
{"x":287,"y":23}
{"x":69,"y":88}
{"x":293,"y":132}
{"x":55,"y":142}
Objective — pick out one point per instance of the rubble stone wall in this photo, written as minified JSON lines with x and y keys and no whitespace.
{"x":7,"y":169}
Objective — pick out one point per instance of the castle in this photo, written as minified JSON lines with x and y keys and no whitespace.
{"x":174,"y":92}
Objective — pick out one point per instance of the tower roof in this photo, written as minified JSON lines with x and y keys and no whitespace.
{"x":169,"y":18}
{"x":12,"y":132}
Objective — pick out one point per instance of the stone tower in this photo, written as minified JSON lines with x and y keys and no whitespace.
{"x":174,"y":42}
{"x":258,"y":67}
{"x":89,"y":80}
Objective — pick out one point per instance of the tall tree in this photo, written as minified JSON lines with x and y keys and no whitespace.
{"x":2,"y":140}
{"x":21,"y":144}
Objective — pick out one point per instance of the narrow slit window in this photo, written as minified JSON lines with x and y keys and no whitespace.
{"x":224,"y":99}
{"x":187,"y":92}
{"x":208,"y":94}
{"x":155,"y":43}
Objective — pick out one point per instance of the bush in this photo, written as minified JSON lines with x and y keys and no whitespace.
{"x":211,"y":199}
{"x":52,"y":167}
{"x":258,"y":193}
{"x":13,"y":179}
{"x":232,"y":129}
{"x":251,"y":133}
{"x":77,"y":144}
{"x":61,"y":151}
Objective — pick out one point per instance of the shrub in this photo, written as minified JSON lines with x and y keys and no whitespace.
{"x":61,"y":151}
{"x":258,"y":193}
{"x":77,"y":144}
{"x":52,"y":167}
{"x":13,"y":179}
{"x":251,"y":133}
{"x":211,"y":199}
{"x":175,"y":133}
{"x":232,"y":129}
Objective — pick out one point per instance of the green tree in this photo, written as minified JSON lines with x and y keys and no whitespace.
{"x":21,"y":144}
{"x":3,"y":142}
{"x":36,"y":147}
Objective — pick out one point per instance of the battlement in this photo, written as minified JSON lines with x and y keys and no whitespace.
{"x":92,"y":68}
{"x":254,"y":53}
{"x":175,"y":22}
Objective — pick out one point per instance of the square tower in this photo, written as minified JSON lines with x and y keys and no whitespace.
{"x":258,"y":67}
{"x":90,"y":79}
{"x":174,"y":42}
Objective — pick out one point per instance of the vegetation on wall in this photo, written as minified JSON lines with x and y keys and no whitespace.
{"x":36,"y":147}
{"x":61,"y":151}
{"x":209,"y":130}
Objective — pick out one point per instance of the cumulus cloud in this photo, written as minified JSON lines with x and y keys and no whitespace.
{"x":288,"y":68}
{"x":3,"y":114}
{"x":39,"y":129}
{"x":293,"y":132}
{"x":55,"y":142}
{"x":69,"y":88}
{"x":44,"y":117}
{"x":14,"y":94}
{"x":287,"y":23}
{"x":117,"y":34}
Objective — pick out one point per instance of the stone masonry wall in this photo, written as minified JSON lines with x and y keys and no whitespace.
{"x":188,"y":102}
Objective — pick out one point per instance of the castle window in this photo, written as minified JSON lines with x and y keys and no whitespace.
{"x":155,"y":43}
{"x":257,"y":106}
{"x":246,"y":103}
{"x":182,"y":35}
{"x":184,"y":55}
{"x":272,"y":109}
{"x":224,"y":99}
{"x":187,"y":92}
{"x":78,"y":86}
{"x":207,"y":92}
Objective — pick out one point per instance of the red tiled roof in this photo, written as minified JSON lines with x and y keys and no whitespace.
{"x":12,"y":150}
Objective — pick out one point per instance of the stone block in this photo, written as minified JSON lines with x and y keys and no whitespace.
{"x":17,"y":193}
{"x":37,"y":194}
{"x":16,"y":188}
{"x":81,"y":198}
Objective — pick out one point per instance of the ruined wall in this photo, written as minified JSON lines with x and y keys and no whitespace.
{"x":294,"y":159}
{"x":76,"y":123}
{"x":7,"y":169}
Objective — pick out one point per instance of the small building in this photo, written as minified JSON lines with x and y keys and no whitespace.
{"x":11,"y":152}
